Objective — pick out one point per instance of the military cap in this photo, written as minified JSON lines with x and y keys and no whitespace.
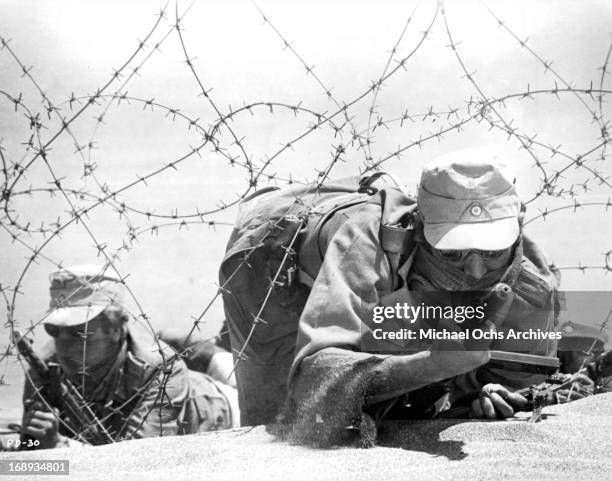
{"x":80,"y":293}
{"x":580,"y":337}
{"x":468,"y":200}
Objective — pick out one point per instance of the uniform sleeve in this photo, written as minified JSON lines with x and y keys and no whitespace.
{"x":320,"y":406}
{"x":354,"y":273}
{"x":160,"y":409}
{"x":334,"y":374}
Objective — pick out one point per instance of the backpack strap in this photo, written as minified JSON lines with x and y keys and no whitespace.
{"x":305,"y":278}
{"x":397,"y":227}
{"x":396,"y":232}
{"x":394,"y":242}
{"x":366,"y":183}
{"x":310,"y":250}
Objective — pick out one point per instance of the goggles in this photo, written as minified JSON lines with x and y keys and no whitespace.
{"x":462,"y":254}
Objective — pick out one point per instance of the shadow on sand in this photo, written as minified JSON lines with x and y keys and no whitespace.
{"x":424,"y":436}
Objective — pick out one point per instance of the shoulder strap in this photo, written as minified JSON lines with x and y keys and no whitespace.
{"x":396,"y":227}
{"x":394,"y":242}
{"x":395,"y":234}
{"x":310,"y":250}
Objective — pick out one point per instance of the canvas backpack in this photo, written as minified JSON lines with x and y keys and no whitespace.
{"x":272,"y":259}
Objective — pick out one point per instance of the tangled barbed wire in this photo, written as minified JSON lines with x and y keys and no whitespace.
{"x":57,"y":188}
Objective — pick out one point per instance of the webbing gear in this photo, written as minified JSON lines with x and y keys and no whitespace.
{"x":396,"y":232}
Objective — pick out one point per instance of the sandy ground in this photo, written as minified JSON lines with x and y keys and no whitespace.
{"x":573,"y":442}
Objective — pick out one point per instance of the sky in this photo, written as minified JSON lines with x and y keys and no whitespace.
{"x":72,"y":48}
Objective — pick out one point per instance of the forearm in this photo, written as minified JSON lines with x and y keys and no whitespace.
{"x":158,"y":412}
{"x":155,"y":416}
{"x":389,"y":376}
{"x":331,"y":387}
{"x":397,"y":375}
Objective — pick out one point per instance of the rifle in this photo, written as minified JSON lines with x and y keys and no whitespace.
{"x":547,"y":393}
{"x":540,"y":395}
{"x":80,"y":419}
{"x":530,"y":363}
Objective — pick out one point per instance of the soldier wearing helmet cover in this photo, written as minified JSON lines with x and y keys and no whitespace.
{"x":130,"y":385}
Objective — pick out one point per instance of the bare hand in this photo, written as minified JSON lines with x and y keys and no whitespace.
{"x":496,"y":402}
{"x":42,"y":425}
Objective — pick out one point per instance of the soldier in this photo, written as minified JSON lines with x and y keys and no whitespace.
{"x":467,"y":249}
{"x":128,"y":385}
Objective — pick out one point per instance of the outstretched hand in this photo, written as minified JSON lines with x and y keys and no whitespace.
{"x":496,"y":402}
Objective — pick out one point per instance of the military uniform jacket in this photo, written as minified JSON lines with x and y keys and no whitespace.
{"x":151,"y":397}
{"x":332,"y":372}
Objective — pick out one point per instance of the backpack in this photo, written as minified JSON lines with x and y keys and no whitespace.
{"x":272,"y":259}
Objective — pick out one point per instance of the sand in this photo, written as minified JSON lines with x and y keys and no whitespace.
{"x":573,"y":442}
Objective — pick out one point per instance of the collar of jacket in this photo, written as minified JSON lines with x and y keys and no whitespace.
{"x":144,"y":360}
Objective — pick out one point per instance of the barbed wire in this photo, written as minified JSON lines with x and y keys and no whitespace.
{"x":310,"y":71}
{"x":47,"y":123}
{"x":371,"y":110}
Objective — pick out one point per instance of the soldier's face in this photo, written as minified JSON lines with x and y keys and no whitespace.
{"x":86,"y":346}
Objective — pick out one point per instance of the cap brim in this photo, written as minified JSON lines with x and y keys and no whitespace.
{"x":72,"y":316}
{"x":494,"y":235}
